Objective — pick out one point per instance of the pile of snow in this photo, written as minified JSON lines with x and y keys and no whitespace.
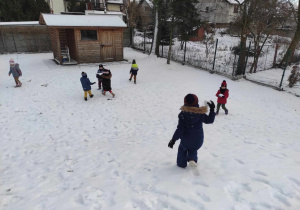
{"x":61,"y":152}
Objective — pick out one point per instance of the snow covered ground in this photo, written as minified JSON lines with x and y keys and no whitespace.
{"x":273,"y":77}
{"x":61,"y":152}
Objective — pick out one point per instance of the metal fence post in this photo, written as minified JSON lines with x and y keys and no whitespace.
{"x":144,"y":41}
{"x":215,"y":55}
{"x":286,"y":64}
{"x":184,"y":53}
{"x":247,"y":59}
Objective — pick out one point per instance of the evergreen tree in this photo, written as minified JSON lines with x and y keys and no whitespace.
{"x":187,"y":19}
{"x":74,"y":7}
{"x":184,"y":18}
{"x":22,"y":10}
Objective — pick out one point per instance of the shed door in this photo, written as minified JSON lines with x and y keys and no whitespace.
{"x":106,"y":45}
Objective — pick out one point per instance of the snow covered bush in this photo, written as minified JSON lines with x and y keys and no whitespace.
{"x":294,"y":76}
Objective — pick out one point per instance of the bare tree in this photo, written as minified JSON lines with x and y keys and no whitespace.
{"x":132,"y":17}
{"x":291,"y":49}
{"x":266,"y":15}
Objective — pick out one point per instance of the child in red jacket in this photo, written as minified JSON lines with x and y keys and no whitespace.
{"x":222,"y":95}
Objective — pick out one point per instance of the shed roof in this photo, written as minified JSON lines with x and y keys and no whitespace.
{"x":20,"y":23}
{"x":82,"y":20}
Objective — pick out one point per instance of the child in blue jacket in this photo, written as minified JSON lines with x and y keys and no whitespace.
{"x":133,"y":71}
{"x":190,"y":130}
{"x":86,"y":85}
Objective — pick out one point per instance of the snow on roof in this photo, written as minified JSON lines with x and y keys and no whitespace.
{"x":83,"y":20}
{"x":114,"y":2}
{"x":150,"y":3}
{"x":235,"y":1}
{"x":96,"y":12}
{"x":20,"y":23}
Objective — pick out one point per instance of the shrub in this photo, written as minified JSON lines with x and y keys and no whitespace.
{"x":294,"y":76}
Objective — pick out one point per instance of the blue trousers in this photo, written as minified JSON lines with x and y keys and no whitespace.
{"x":184,"y":155}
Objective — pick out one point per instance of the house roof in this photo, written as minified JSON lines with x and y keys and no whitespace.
{"x":235,"y":1}
{"x":82,"y":20}
{"x":114,"y":2}
{"x":149,"y":2}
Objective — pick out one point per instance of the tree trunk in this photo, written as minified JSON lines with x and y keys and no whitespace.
{"x":171,"y":40}
{"x":294,"y":42}
{"x":159,"y":26}
{"x":242,"y":56}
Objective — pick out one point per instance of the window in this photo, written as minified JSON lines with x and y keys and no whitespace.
{"x":89,"y":35}
{"x":236,"y":9}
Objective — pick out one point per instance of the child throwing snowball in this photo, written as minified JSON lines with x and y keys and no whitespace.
{"x":190,"y":131}
{"x":106,"y":76}
{"x":222,"y":95}
{"x":86,"y":85}
{"x":15,"y":71}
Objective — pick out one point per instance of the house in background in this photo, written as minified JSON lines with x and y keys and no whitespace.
{"x":146,"y":14}
{"x":85,"y":38}
{"x":57,"y":6}
{"x":219,"y":12}
{"x":111,"y":7}
{"x":106,"y":5}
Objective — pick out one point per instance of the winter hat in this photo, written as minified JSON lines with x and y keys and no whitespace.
{"x":191,"y":100}
{"x":133,"y":61}
{"x":11,"y":61}
{"x":83,"y":73}
{"x":224,"y":84}
{"x":100,"y":65}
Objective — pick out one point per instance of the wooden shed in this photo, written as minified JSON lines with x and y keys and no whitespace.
{"x":85,"y":38}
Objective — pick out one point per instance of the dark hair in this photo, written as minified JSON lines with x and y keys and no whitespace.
{"x":133,"y":61}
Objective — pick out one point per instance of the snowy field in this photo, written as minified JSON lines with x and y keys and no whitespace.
{"x":273,"y":77}
{"x":61,"y":152}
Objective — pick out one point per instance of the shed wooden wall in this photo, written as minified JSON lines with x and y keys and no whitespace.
{"x":119,"y":44}
{"x":89,"y":51}
{"x":54,"y":36}
{"x":85,"y":51}
{"x":72,"y":44}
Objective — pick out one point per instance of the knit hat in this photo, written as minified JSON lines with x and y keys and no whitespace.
{"x":133,"y":61}
{"x":83,"y":73}
{"x":100,"y":65}
{"x":191,"y":100}
{"x":224,"y":84}
{"x":11,"y":61}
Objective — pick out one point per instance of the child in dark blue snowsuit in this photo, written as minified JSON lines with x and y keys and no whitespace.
{"x":190,"y":130}
{"x":86,"y":85}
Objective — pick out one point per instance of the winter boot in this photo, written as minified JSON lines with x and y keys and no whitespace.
{"x":134,"y":82}
{"x":192,"y":163}
{"x":226,"y":112}
{"x":129,"y":79}
{"x":85,"y":98}
{"x":103,"y":93}
{"x":217,"y":112}
{"x":91,"y":96}
{"x":113,"y":95}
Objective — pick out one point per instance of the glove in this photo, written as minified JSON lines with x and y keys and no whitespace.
{"x":171,"y":144}
{"x":221,"y":95}
{"x":211,"y":105}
